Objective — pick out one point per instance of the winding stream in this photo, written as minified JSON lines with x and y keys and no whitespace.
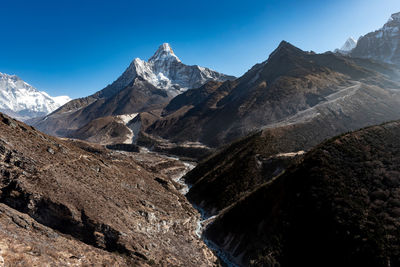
{"x":203,"y":221}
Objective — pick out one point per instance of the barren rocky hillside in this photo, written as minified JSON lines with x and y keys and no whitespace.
{"x":65,"y":201}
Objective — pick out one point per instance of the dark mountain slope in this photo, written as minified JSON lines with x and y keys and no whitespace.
{"x":340,"y":206}
{"x":289,"y":82}
{"x":136,"y":97}
{"x":235,"y":171}
{"x":368,"y":97}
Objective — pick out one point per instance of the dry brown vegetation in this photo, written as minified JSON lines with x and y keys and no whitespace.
{"x":110,"y":205}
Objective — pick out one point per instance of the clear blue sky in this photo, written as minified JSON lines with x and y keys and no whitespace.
{"x":78,"y":47}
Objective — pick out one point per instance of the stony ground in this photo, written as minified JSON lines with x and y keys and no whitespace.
{"x":70,"y":202}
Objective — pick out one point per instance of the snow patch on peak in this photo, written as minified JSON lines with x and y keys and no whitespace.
{"x":166,"y":47}
{"x":164,"y":53}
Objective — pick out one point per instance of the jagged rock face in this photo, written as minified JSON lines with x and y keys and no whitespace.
{"x":144,"y":86}
{"x":127,"y":206}
{"x":22,"y":101}
{"x":290,"y":82}
{"x":340,"y":206}
{"x":165,"y":71}
{"x":383,"y":44}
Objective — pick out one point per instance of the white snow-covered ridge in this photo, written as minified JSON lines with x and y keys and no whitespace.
{"x":22,"y":101}
{"x":165,"y":71}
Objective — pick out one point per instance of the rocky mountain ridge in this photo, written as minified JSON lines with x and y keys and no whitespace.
{"x":381,"y":45}
{"x":282,"y":90}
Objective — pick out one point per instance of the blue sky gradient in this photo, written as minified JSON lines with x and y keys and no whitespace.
{"x":76,"y":48}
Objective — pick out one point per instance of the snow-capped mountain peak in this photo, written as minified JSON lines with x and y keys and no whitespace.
{"x":22,"y":101}
{"x":165,"y":71}
{"x":164,"y":53}
{"x":349,"y":45}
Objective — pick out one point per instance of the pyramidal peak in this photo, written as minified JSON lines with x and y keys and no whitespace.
{"x":165,"y":71}
{"x":164,"y":53}
{"x":349,"y":45}
{"x":285,"y":48}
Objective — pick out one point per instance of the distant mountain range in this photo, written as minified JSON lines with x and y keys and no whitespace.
{"x":22,"y":101}
{"x":219,"y":109}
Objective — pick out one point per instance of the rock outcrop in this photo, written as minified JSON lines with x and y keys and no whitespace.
{"x":381,"y":45}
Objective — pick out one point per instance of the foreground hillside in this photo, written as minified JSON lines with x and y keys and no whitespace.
{"x":67,"y":202}
{"x":339,"y":206}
